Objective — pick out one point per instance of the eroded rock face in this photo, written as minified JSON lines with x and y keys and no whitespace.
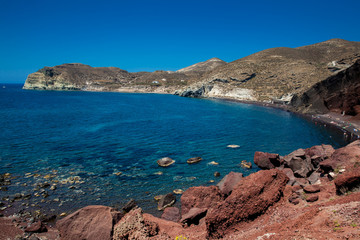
{"x":249,"y":199}
{"x":200,"y":197}
{"x":348,"y":181}
{"x":227,"y":184}
{"x":340,"y":92}
{"x":267,"y":160}
{"x":91,"y":222}
{"x":347,"y":156}
{"x":133,"y":226}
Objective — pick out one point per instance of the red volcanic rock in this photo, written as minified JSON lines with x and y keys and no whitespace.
{"x":193,"y":216}
{"x":312,"y":198}
{"x":133,"y":226}
{"x":267,"y":160}
{"x":347,"y":156}
{"x":91,"y":222}
{"x":227,"y":184}
{"x":171,"y":214}
{"x":294,"y":198}
{"x":312,"y":189}
{"x":201,"y":197}
{"x":37,"y":227}
{"x":290,"y":174}
{"x":249,"y":199}
{"x":348,"y":181}
{"x":319,"y":153}
{"x":299,"y":162}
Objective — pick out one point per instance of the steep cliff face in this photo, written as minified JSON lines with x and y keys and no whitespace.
{"x":76,"y":76}
{"x":277,"y":74}
{"x":338,"y":93}
{"x":272,"y":75}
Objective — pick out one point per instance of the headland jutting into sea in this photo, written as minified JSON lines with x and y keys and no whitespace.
{"x":316,"y":186}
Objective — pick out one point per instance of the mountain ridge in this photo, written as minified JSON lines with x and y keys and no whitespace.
{"x":271,"y":75}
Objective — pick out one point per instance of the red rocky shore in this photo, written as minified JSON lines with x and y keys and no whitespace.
{"x":311,"y":193}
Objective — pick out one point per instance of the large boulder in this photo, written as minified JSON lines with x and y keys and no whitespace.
{"x":300,"y":163}
{"x":171,"y":214}
{"x":227,"y":184}
{"x":166,"y":201}
{"x":267,"y":160}
{"x":133,"y":226}
{"x":348,"y":181}
{"x":91,"y":223}
{"x":200,"y":197}
{"x":194,"y":160}
{"x":319,"y":153}
{"x":345,"y":157}
{"x":250,"y":198}
{"x":193,"y":216}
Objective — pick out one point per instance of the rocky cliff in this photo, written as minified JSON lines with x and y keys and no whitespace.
{"x":275,"y":75}
{"x":77,"y":76}
{"x":272,"y":75}
{"x":338,"y":93}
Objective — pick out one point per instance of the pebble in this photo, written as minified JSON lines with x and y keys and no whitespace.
{"x":63,"y":214}
{"x":118,"y":173}
{"x":159,"y":173}
{"x":53,"y":187}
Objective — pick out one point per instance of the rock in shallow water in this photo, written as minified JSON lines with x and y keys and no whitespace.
{"x":165,"y":162}
{"x":166,"y":201}
{"x":194,"y":160}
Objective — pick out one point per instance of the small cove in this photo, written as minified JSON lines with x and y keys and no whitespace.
{"x":78,"y":141}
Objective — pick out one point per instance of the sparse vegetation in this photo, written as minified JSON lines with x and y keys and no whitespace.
{"x":181,"y":238}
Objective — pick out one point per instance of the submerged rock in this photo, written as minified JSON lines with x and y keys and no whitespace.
{"x":165,"y":162}
{"x":194,"y":160}
{"x":233,"y":146}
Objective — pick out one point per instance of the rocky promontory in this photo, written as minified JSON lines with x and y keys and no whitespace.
{"x":310,"y":193}
{"x":272,"y":75}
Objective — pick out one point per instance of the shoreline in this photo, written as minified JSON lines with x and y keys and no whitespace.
{"x":333,"y":120}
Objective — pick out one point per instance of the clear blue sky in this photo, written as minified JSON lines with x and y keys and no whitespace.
{"x":156,"y":34}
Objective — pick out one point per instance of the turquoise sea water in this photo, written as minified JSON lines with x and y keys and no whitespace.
{"x":51,"y":136}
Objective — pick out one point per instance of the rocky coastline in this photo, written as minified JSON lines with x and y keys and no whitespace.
{"x":308,"y":194}
{"x":317,"y":186}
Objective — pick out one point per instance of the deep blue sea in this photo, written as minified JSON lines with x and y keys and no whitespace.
{"x":51,"y":136}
